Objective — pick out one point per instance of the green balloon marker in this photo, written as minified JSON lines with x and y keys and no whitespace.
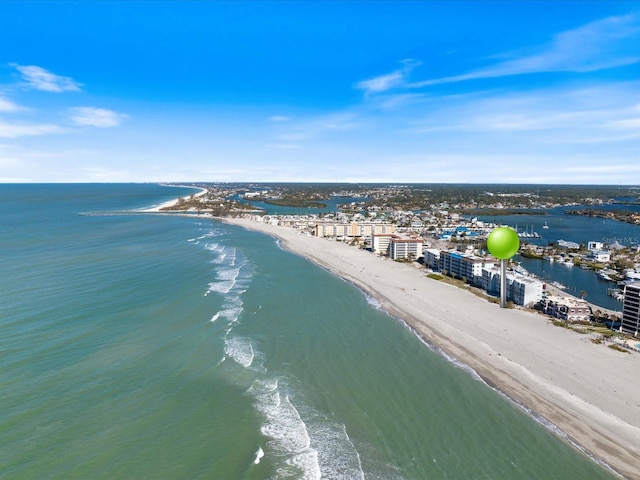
{"x":503,"y":243}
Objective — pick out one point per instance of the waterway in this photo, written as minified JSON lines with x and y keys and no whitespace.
{"x":575,"y":229}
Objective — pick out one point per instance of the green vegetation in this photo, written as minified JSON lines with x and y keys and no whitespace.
{"x":435,"y":276}
{"x":618,"y":348}
{"x":527,"y":253}
{"x":294,"y":202}
{"x":623,"y":216}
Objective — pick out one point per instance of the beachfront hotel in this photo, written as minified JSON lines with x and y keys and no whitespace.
{"x":352,"y":229}
{"x":631,"y":309}
{"x":401,"y":248}
{"x":380,"y":243}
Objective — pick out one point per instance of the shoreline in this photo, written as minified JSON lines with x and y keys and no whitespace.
{"x":559,"y":377}
{"x":174,"y":201}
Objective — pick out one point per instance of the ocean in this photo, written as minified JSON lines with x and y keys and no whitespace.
{"x":145,"y":346}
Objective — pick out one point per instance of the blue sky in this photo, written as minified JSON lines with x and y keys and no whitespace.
{"x":360,"y":91}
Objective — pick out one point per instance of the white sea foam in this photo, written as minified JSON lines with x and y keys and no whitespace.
{"x":231,"y":311}
{"x":259,"y":455}
{"x":240,"y":350}
{"x":312,"y":446}
{"x":226,"y":280}
{"x":308,"y":463}
{"x":337,"y":455}
{"x":286,"y":430}
{"x":373,"y":301}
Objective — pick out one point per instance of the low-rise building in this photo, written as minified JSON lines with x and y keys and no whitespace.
{"x":593,"y":246}
{"x":569,"y":309}
{"x":600,"y":256}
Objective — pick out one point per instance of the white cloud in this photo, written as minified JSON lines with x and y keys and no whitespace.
{"x":633,"y":123}
{"x":279,"y":118}
{"x":382,"y":83}
{"x":284,"y":146}
{"x":552,"y":115}
{"x":40,"y":79}
{"x":96,"y":117}
{"x":606,"y":43}
{"x":391,"y":80}
{"x":10,"y":107}
{"x":8,"y":130}
{"x":316,"y":127}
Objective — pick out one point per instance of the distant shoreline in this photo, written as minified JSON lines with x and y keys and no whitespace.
{"x":558,"y":375}
{"x":174,"y":201}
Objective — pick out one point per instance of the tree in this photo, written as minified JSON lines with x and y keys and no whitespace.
{"x":583,"y":294}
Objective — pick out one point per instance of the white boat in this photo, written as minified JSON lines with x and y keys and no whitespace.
{"x":545,"y":226}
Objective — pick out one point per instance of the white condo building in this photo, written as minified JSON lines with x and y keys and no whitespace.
{"x":432,"y":258}
{"x":403,"y":248}
{"x":521,"y":290}
{"x":459,"y":265}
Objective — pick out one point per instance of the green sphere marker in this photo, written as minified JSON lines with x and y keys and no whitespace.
{"x":503,"y":243}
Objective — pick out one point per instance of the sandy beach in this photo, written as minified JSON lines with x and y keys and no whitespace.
{"x":588,"y":391}
{"x":174,"y":201}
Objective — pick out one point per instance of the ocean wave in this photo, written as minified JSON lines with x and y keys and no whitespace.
{"x":240,"y":350}
{"x":371,"y":300}
{"x":310,"y":445}
{"x":232,"y":314}
{"x":259,"y":455}
{"x":226,"y":280}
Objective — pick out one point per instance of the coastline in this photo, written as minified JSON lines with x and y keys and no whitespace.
{"x":583,"y":389}
{"x":173,"y":201}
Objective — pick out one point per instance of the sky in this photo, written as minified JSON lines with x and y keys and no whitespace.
{"x":320,"y":91}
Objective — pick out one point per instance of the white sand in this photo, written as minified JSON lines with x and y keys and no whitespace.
{"x":171,"y":203}
{"x":591,"y":392}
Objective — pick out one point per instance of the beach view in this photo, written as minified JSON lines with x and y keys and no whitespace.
{"x":256,"y":240}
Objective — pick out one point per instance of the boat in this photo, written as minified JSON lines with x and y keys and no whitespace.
{"x":545,"y":226}
{"x":616,"y":293}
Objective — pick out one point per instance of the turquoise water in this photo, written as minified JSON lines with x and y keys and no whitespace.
{"x":147,"y":346}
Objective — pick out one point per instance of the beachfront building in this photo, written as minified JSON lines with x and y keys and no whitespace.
{"x":521,"y":289}
{"x":401,"y":248}
{"x":460,"y":265}
{"x":351,"y":229}
{"x":432,"y":258}
{"x":631,"y":309}
{"x":525,"y":291}
{"x":380,"y":243}
{"x":570,"y":309}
